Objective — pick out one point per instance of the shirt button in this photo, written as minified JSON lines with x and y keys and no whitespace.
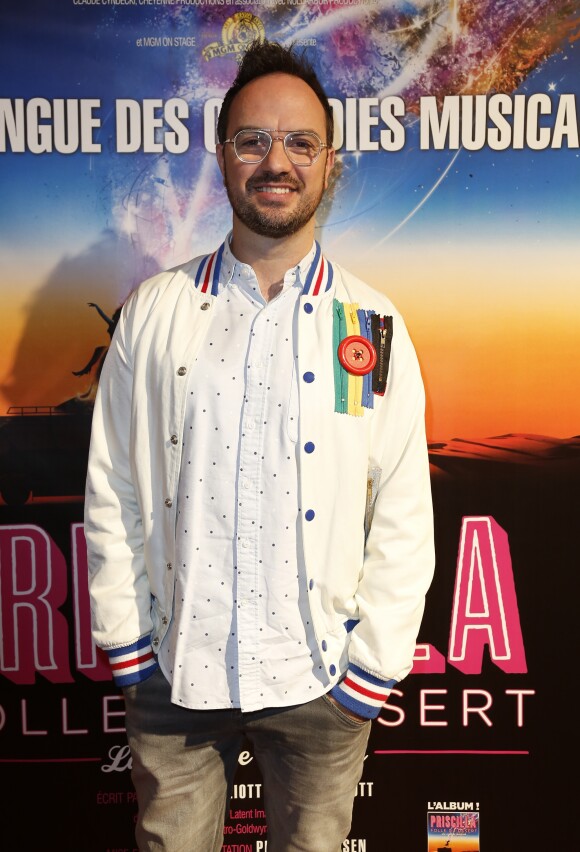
{"x":169,"y":566}
{"x":332,"y":669}
{"x":308,"y":308}
{"x":309,"y":447}
{"x":164,"y":619}
{"x":311,"y":585}
{"x":205,"y":306}
{"x":156,"y":641}
{"x":182,"y":371}
{"x":308,"y":377}
{"x":245,"y":543}
{"x":309,"y":514}
{"x":174,"y":439}
{"x":168,"y":502}
{"x":324,"y":646}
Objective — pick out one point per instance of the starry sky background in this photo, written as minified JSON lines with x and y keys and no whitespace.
{"x":479,"y":250}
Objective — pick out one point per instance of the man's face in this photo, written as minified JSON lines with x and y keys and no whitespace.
{"x":275,"y":198}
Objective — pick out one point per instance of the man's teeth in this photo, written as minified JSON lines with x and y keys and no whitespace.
{"x":277,"y":190}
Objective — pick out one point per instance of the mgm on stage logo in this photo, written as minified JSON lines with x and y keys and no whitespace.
{"x":238,"y":33}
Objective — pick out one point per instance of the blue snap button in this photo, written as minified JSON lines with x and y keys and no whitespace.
{"x":309,"y":514}
{"x":311,"y":584}
{"x":309,"y":447}
{"x":332,"y":669}
{"x":308,"y":308}
{"x":308,"y":377}
{"x":324,"y":645}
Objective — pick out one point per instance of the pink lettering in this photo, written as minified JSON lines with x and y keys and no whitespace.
{"x":428,"y":660}
{"x":33,"y":584}
{"x":34,"y":633}
{"x":485,"y":609}
{"x":478,"y":710}
{"x":90,"y":660}
{"x":425,"y":722}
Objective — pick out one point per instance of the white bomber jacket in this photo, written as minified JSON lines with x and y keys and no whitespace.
{"x":366,"y":591}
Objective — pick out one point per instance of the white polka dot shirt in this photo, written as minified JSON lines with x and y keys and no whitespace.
{"x":241,"y":635}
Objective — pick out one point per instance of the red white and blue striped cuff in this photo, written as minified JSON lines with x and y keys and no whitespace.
{"x":133,"y":663}
{"x":361,"y":692}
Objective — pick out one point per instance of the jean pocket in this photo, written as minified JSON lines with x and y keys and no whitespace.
{"x":344,"y":715}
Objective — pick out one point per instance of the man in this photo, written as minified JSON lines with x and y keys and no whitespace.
{"x":258,"y":511}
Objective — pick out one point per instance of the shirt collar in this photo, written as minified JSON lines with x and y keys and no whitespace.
{"x":313,"y":274}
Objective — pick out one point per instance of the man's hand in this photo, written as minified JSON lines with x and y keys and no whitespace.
{"x":345,"y":710}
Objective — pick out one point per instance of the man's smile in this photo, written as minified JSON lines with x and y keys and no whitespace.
{"x":277,"y":190}
{"x":268,"y":184}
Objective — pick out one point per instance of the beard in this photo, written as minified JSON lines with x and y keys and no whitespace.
{"x":273,"y":221}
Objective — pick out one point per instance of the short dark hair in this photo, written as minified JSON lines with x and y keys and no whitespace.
{"x":270,"y":57}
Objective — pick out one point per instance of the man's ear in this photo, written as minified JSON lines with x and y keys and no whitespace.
{"x":330,"y":157}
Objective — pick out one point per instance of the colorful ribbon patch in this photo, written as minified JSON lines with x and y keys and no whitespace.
{"x":361,"y":342}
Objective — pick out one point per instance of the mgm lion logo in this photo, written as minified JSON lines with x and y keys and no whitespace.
{"x":238,"y":33}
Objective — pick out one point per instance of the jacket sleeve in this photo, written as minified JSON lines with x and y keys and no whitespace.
{"x":118,"y":583}
{"x":399,"y":554}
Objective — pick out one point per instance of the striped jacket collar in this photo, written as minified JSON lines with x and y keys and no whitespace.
{"x":315,"y":269}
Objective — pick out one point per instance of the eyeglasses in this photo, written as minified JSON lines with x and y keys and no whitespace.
{"x":302,"y":147}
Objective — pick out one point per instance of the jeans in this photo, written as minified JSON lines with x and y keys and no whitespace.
{"x":184,"y":761}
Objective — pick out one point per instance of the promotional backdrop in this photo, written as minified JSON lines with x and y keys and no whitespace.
{"x":457,"y":192}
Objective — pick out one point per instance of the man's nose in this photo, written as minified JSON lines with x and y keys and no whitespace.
{"x":277,"y":158}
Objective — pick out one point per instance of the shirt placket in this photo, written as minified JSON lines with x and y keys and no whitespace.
{"x":248,"y":566}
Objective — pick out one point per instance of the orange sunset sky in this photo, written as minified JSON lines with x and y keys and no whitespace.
{"x":496,"y":331}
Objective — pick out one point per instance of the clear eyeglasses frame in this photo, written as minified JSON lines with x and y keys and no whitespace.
{"x":302,"y":147}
